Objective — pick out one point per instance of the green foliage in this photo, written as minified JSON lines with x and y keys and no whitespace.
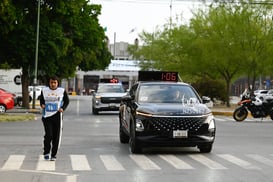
{"x":5,"y":65}
{"x":222,"y":41}
{"x":70,"y":38}
{"x":210,"y":87}
{"x":16,"y":117}
{"x":167,"y":49}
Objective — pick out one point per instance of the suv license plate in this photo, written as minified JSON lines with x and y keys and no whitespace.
{"x":180,"y":133}
{"x":113,"y":105}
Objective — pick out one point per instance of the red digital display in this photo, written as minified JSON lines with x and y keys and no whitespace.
{"x":109,"y":80}
{"x":157,"y":76}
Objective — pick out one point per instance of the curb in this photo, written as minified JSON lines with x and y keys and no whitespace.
{"x":17,"y":111}
{"x":222,"y":113}
{"x":39,"y":111}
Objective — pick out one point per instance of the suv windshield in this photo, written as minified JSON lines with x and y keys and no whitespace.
{"x":167,"y":94}
{"x":114,"y":88}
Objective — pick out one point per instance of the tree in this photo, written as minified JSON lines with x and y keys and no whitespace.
{"x":222,"y":41}
{"x":234,"y":39}
{"x":70,"y":38}
{"x":166,"y":49}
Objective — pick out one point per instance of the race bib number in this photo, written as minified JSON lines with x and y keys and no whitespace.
{"x":51,"y":107}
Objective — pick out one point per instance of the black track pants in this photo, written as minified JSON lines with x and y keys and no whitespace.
{"x":53,"y":133}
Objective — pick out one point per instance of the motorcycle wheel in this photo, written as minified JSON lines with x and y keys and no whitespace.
{"x":240,"y":114}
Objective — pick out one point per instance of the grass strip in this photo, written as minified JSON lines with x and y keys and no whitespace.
{"x":17,"y":117}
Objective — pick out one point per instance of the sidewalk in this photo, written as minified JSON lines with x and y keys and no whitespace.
{"x":18,"y":109}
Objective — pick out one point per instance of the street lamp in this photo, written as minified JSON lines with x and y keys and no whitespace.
{"x":36,"y":56}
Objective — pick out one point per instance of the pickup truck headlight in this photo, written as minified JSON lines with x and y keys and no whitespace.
{"x":97,"y":96}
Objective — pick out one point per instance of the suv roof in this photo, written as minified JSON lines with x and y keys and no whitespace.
{"x":162,"y":82}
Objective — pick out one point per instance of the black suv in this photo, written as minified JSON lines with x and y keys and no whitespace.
{"x":165,"y":114}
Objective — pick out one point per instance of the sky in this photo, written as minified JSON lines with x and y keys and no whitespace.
{"x":125,"y":19}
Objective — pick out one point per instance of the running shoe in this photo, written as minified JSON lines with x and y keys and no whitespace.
{"x":53,"y":159}
{"x":46,"y":157}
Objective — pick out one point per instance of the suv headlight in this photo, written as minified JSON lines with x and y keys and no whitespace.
{"x":139,"y":125}
{"x":211,"y":121}
{"x":139,"y":116}
{"x":143,"y":114}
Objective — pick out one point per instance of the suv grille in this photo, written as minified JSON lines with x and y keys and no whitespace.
{"x":107,"y":100}
{"x":169,"y":124}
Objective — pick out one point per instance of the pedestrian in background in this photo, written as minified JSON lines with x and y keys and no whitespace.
{"x":54,"y":100}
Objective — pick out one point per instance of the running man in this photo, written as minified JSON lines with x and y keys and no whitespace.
{"x":54,"y":100}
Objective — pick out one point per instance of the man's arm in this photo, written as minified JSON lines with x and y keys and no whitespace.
{"x":65,"y":101}
{"x":42,"y":100}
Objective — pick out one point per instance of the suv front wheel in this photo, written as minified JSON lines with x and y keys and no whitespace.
{"x":135,"y":147}
{"x":205,"y":148}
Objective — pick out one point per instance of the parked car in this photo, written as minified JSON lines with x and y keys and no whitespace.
{"x":269,"y":95}
{"x":7,"y":100}
{"x":260,"y":94}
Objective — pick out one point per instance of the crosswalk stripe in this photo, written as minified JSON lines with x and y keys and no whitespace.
{"x":71,"y":178}
{"x":14,"y":162}
{"x":175,"y":162}
{"x":261,"y":159}
{"x":44,"y":165}
{"x":111,"y":163}
{"x":79,"y":163}
{"x":207,"y":162}
{"x":220,"y":119}
{"x":144,"y":162}
{"x":242,"y":163}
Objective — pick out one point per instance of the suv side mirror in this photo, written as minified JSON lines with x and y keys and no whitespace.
{"x":127,"y":98}
{"x":205,"y":99}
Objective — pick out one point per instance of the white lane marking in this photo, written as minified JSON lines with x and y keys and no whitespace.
{"x":79,"y":163}
{"x":78,"y":107}
{"x":220,"y":119}
{"x":242,"y":163}
{"x":111,"y":163}
{"x":44,"y":165}
{"x":175,"y":162}
{"x":71,"y":178}
{"x":61,"y":130}
{"x":207,"y":162}
{"x":14,"y":162}
{"x":144,"y":162}
{"x":261,"y":159}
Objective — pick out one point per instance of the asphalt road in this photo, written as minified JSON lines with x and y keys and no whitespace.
{"x":91,"y":151}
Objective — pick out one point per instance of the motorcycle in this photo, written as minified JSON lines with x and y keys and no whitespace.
{"x":254,"y":105}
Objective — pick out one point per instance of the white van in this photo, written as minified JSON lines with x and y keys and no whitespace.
{"x":37,"y":93}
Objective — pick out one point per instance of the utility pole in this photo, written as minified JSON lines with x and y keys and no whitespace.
{"x":115,"y":45}
{"x":36,"y":56}
{"x":171,"y":9}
